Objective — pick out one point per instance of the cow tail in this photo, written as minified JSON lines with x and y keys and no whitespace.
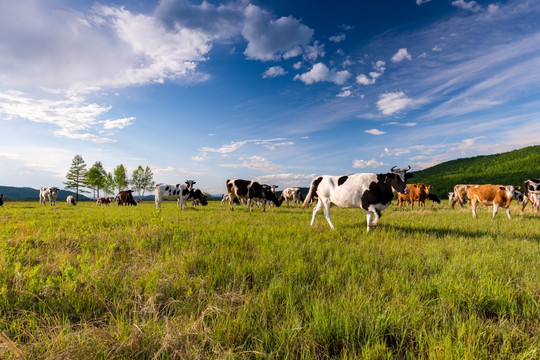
{"x":312,"y":189}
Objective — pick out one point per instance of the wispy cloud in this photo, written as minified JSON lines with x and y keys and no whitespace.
{"x":274,"y":71}
{"x":363,"y":164}
{"x":374,"y":132}
{"x":402,"y":54}
{"x":392,"y":102}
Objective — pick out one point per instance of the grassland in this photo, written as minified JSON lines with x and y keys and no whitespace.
{"x":91,"y":282}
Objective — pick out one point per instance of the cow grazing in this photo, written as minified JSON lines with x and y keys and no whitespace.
{"x":496,"y":195}
{"x":71,"y":200}
{"x":531,"y":193}
{"x":293,"y":194}
{"x":434,"y":198}
{"x":371,"y":192}
{"x":179,"y":192}
{"x":197,"y":197}
{"x":1,"y":199}
{"x":460,"y":195}
{"x":103,"y":201}
{"x":126,"y":198}
{"x":48,"y":193}
{"x":251,"y":191}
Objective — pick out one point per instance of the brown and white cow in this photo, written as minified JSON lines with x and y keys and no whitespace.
{"x":460,"y":195}
{"x":48,"y":193}
{"x":496,"y":195}
{"x":251,"y":191}
{"x":126,"y":198}
{"x":103,"y":201}
{"x":371,"y":192}
{"x":291,"y":194}
{"x":531,"y":193}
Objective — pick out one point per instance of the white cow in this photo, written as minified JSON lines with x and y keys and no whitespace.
{"x":48,"y":193}
{"x":371,"y":192}
{"x":179,"y":192}
{"x":293,"y":194}
{"x":71,"y":200}
{"x":531,"y":193}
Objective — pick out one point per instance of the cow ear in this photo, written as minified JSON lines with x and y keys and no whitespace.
{"x":518,"y":187}
{"x":502,"y":188}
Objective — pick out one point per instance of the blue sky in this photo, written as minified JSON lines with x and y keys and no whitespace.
{"x":276,"y":91}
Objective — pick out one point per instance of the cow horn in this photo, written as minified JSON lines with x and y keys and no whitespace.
{"x":392,"y":169}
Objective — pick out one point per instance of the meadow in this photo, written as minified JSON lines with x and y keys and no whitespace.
{"x":91,"y":282}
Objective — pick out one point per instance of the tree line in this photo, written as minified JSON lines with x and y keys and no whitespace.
{"x":79,"y":178}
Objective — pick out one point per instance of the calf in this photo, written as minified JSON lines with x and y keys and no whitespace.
{"x":371,"y":192}
{"x":531,"y":193}
{"x":71,"y":200}
{"x":293,"y":194}
{"x":250,"y":191}
{"x":417,"y":192}
{"x":496,"y":195}
{"x":48,"y":193}
{"x":126,"y":198}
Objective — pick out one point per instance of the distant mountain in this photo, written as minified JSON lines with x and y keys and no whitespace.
{"x":27,"y":193}
{"x":509,"y":168}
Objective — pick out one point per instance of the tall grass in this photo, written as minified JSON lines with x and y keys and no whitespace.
{"x":91,"y":282}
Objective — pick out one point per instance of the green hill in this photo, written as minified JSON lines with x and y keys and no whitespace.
{"x":510,"y":168}
{"x":27,"y":193}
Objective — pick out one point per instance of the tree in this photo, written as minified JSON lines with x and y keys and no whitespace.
{"x":142,"y":180}
{"x":76,"y":176}
{"x":95,"y":177}
{"x":120,"y":177}
{"x":109,"y":185}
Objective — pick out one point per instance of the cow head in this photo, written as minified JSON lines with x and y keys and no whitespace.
{"x":190,"y":183}
{"x":399,"y":180}
{"x":402,"y":173}
{"x":511,"y":191}
{"x":269,"y":195}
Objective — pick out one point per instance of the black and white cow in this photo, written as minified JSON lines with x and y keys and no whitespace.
{"x":196,"y":196}
{"x":371,"y":192}
{"x":531,"y":193}
{"x":179,"y":192}
{"x":48,"y":193}
{"x":293,"y":194}
{"x":251,"y":191}
{"x":71,"y":200}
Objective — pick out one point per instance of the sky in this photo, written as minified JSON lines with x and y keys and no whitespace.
{"x":274,"y":91}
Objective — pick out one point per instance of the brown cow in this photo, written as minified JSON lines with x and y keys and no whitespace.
{"x":496,"y":195}
{"x":126,"y":198}
{"x":417,"y":192}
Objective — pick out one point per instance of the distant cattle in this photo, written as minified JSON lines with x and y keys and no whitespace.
{"x":531,"y":193}
{"x":71,"y":200}
{"x":251,"y":191}
{"x":496,"y":195}
{"x":291,"y":194}
{"x":196,"y":196}
{"x":371,"y":192}
{"x":126,"y":198}
{"x":48,"y":194}
{"x":460,"y":194}
{"x":1,"y":199}
{"x":417,"y":192}
{"x":103,"y":201}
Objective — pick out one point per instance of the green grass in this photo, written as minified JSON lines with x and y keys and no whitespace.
{"x":91,"y":282}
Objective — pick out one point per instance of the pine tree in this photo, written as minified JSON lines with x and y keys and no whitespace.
{"x":76,"y":176}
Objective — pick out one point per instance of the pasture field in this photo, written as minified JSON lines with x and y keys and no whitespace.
{"x":91,"y":282}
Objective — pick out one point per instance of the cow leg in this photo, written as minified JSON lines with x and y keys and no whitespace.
{"x":326,"y":205}
{"x":508,"y":212}
{"x":495,"y":210}
{"x":316,"y":210}
{"x":473,"y":207}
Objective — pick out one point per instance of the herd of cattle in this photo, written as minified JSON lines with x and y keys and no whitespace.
{"x":371,"y":192}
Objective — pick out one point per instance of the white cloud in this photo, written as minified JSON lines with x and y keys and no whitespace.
{"x":297,"y":65}
{"x":313,"y":52}
{"x":392,"y":102}
{"x":420,"y":2}
{"x":345,"y":92}
{"x":464,"y":5}
{"x":362,"y":164}
{"x":374,"y":132}
{"x":337,"y":38}
{"x":119,"y":123}
{"x":364,"y":80}
{"x":408,"y":124}
{"x":273,"y":72}
{"x":73,"y":117}
{"x":270,"y":39}
{"x":492,"y":8}
{"x":254,"y":162}
{"x":436,"y":48}
{"x":402,"y":54}
{"x":380,"y":67}
{"x":321,"y":72}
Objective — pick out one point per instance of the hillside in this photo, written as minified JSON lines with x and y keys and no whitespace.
{"x":510,"y":168}
{"x":27,"y":193}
